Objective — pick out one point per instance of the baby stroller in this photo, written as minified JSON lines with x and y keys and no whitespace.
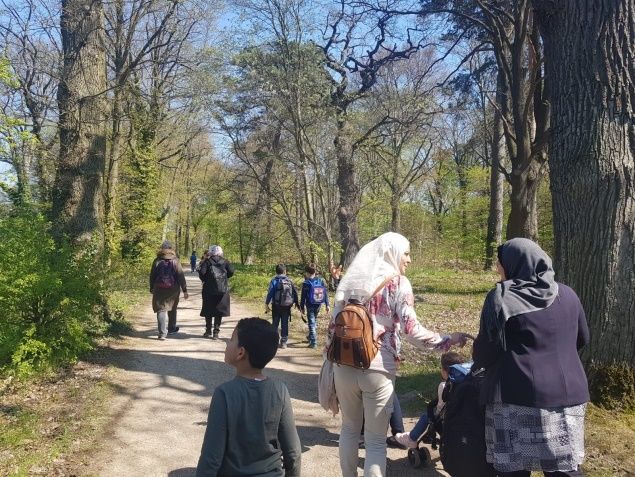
{"x":462,"y":446}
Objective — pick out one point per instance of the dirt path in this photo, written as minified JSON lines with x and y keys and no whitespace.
{"x":165,"y":387}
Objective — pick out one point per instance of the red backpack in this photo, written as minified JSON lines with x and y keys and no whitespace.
{"x":165,"y":274}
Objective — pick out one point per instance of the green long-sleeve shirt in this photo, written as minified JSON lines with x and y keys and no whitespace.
{"x":250,"y":427}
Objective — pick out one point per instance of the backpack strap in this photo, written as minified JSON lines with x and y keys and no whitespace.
{"x":379,"y":288}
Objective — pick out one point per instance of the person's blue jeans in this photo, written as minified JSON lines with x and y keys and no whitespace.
{"x":311,"y":316}
{"x":281,"y":316}
{"x":396,"y":418}
{"x":419,"y":428}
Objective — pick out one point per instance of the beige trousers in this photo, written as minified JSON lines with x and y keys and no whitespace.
{"x":365,"y":399}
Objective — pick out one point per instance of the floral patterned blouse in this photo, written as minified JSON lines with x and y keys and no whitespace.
{"x":392,"y":312}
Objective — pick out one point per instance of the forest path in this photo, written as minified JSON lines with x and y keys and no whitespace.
{"x":164,"y":388}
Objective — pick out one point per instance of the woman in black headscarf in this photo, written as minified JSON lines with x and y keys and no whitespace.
{"x":536,"y":390}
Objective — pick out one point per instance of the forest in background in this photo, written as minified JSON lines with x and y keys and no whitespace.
{"x":295,"y":131}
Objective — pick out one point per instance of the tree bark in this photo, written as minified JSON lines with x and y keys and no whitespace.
{"x":82,"y":122}
{"x":523,"y":217}
{"x":349,"y":203}
{"x":395,"y":208}
{"x":590,"y":66}
{"x":495,"y":216}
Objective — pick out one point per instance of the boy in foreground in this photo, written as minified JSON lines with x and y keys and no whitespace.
{"x":250,"y":426}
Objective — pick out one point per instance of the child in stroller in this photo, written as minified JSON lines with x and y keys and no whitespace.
{"x":430,"y":423}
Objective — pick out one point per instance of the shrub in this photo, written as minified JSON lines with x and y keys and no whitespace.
{"x":612,"y":386}
{"x":49,"y":296}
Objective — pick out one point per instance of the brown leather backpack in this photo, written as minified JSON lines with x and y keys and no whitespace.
{"x":353,"y":342}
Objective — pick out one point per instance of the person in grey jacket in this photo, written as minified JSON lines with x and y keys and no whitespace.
{"x":250,"y":426}
{"x":166,"y":282}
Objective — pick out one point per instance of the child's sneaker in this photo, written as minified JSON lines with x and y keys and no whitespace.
{"x":404,"y":439}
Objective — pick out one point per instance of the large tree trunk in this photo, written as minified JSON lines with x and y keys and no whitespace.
{"x":495,"y":215}
{"x":348,"y":190}
{"x":82,"y":122}
{"x":590,"y":66}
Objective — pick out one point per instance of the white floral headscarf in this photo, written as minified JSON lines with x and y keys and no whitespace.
{"x":377,"y":261}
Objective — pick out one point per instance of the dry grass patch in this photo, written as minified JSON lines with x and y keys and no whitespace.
{"x":48,"y":425}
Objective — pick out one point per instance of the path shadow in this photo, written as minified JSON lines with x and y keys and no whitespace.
{"x":316,"y":436}
{"x":184,"y":472}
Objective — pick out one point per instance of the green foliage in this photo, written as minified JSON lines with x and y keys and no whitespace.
{"x":252,"y":281}
{"x":48,"y":295}
{"x":140,"y":222}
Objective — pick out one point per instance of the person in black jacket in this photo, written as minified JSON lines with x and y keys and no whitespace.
{"x":214,"y":272}
{"x":536,"y":390}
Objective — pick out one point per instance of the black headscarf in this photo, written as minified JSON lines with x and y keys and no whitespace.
{"x":529,"y":286}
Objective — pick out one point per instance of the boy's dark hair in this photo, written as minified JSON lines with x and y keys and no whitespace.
{"x":450,"y":358}
{"x":281,"y":268}
{"x":260,"y":340}
{"x":310,"y":268}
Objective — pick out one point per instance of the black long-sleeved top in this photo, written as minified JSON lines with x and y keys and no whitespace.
{"x":541,"y":366}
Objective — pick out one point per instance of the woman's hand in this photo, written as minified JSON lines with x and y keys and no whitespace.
{"x":460,"y":339}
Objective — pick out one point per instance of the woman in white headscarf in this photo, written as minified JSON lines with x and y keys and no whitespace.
{"x":366,"y":396}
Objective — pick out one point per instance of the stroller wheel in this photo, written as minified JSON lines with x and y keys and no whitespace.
{"x":419,"y":457}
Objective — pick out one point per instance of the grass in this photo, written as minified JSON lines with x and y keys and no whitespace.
{"x":47,"y":425}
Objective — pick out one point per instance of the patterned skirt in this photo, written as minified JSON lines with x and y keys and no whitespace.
{"x":527,"y":438}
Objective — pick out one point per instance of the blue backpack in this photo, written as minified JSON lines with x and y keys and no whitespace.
{"x":317,"y":291}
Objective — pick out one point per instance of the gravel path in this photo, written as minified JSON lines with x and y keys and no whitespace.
{"x":164,"y":390}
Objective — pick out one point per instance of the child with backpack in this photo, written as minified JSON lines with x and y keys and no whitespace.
{"x":314,"y":293}
{"x":250,"y":426}
{"x":409,"y":439}
{"x":282,"y":295}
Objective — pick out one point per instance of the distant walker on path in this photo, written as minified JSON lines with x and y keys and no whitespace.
{"x":166,"y":282}
{"x":215,"y":273}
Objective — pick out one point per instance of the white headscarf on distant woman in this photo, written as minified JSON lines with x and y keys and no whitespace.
{"x":215,"y":251}
{"x":377,"y":261}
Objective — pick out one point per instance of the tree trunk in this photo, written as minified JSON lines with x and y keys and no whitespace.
{"x":112,"y":175}
{"x":495,"y":216}
{"x":590,"y":64}
{"x":23,"y":188}
{"x":348,"y":189}
{"x":395,"y":208}
{"x":523,"y":217}
{"x":462,"y":176}
{"x":82,"y":121}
